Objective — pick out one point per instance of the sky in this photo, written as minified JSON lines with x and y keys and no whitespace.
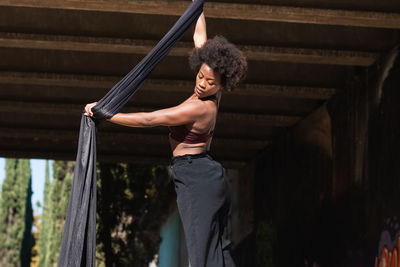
{"x":38,"y":167}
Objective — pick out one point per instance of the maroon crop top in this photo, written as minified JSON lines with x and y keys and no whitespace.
{"x":183,"y":135}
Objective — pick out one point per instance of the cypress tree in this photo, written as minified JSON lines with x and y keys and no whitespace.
{"x":7,"y":214}
{"x":44,"y":225}
{"x":51,"y":245}
{"x":56,"y":202}
{"x":16,"y":214}
{"x":28,"y":241}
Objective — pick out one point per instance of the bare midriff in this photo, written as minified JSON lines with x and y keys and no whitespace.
{"x":179,"y":149}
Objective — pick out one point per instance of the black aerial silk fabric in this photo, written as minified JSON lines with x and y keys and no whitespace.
{"x":78,"y":246}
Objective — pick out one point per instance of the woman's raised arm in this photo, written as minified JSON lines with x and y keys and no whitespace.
{"x":200,"y":31}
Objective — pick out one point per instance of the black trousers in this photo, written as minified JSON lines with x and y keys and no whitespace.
{"x":204,"y":202}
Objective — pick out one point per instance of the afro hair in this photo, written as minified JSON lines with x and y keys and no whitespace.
{"x":223,"y":57}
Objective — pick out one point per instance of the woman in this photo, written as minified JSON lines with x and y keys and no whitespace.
{"x":203,"y":193}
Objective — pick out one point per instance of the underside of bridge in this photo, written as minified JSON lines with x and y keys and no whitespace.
{"x":310,"y":140}
{"x":56,"y":56}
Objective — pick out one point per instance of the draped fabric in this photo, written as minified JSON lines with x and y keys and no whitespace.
{"x":78,"y":244}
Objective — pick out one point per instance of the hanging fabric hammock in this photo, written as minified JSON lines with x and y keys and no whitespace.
{"x":78,"y":246}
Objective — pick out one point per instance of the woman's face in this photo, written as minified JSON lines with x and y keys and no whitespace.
{"x":208,"y":82}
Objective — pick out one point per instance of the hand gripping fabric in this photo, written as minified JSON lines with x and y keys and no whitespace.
{"x":78,"y":246}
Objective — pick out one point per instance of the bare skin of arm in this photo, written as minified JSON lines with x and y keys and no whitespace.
{"x":195,"y":114}
{"x":200,"y":31}
{"x":187,"y":112}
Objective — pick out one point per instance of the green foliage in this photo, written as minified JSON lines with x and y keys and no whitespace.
{"x":44,"y":225}
{"x":28,"y":239}
{"x":265,"y":244}
{"x":54,"y":210}
{"x":52,"y":246}
{"x":16,"y":214}
{"x":132,"y":201}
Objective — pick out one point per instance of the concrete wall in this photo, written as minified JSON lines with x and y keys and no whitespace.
{"x":327,"y":192}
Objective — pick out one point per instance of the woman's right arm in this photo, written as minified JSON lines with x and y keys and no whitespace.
{"x":178,"y":115}
{"x":200,"y":31}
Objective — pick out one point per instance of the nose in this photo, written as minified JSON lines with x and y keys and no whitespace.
{"x":202,"y":84}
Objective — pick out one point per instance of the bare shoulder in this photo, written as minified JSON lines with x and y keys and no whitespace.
{"x":195,"y":104}
{"x":203,"y":108}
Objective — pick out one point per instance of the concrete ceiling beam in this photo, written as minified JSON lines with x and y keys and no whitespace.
{"x":113,"y":138}
{"x":182,"y":49}
{"x":158,"y":85}
{"x":113,"y":147}
{"x":75,"y":110}
{"x":285,"y":14}
{"x":103,"y":157}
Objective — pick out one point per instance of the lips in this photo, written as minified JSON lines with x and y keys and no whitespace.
{"x":199,"y":91}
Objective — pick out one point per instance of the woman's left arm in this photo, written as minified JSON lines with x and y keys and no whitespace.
{"x":200,"y":31}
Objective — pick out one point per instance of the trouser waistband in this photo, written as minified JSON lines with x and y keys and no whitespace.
{"x":189,"y":157}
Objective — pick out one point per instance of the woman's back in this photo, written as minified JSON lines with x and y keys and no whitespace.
{"x":195,"y":137}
